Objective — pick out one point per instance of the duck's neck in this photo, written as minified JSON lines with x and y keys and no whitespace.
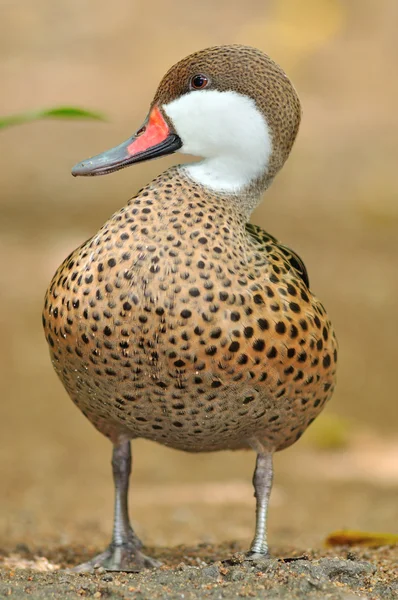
{"x":232,"y":135}
{"x":175,"y":196}
{"x":222,"y":179}
{"x":225,"y":174}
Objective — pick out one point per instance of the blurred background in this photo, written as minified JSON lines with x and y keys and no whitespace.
{"x":335,"y":203}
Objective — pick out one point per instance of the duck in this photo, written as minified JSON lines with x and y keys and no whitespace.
{"x":179,"y":321}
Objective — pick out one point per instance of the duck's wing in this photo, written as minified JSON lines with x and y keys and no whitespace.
{"x":266,"y":239}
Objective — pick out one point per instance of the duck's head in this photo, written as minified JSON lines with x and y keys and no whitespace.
{"x":231,"y":105}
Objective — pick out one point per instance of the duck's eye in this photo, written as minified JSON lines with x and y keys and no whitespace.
{"x":198,"y":82}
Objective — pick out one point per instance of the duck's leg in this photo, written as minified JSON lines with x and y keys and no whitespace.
{"x":124,"y":552}
{"x":262,"y":482}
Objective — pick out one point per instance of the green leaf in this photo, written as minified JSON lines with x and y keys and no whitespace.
{"x":59,"y":112}
{"x":71,"y":112}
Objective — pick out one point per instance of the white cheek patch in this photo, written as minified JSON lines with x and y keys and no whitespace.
{"x":228,"y":131}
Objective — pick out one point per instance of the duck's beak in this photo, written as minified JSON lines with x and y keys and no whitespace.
{"x":152,"y":140}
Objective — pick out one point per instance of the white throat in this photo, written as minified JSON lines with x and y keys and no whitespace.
{"x":228,"y":131}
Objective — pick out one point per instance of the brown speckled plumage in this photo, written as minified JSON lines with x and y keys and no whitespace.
{"x":179,"y":322}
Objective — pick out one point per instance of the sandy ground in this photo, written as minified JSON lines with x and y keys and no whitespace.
{"x":211,"y":572}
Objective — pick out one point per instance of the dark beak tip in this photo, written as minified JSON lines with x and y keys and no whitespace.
{"x":76,"y":170}
{"x":79,"y":169}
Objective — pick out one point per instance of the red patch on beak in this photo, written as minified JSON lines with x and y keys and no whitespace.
{"x":153,"y":133}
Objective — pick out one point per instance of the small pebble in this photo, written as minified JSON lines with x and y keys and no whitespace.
{"x":212,"y":572}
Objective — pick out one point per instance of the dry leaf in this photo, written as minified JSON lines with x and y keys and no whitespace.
{"x":361,"y":538}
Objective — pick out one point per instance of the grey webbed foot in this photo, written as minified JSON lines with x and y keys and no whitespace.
{"x":125,"y":557}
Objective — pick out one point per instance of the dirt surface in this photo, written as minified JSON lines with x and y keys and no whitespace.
{"x":210,"y":572}
{"x":196,"y":573}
